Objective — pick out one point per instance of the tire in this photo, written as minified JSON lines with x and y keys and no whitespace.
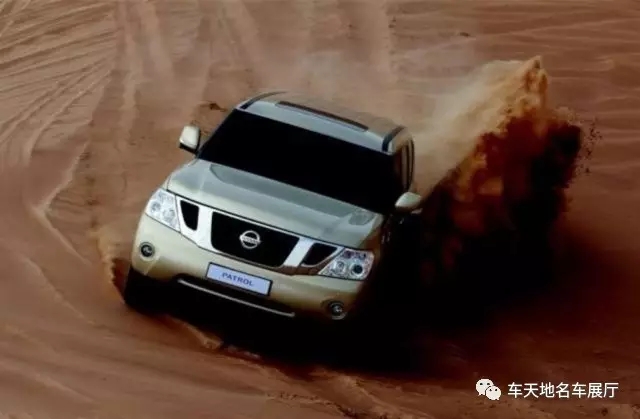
{"x":142,"y":293}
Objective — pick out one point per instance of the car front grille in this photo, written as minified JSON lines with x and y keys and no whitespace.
{"x":274,"y":248}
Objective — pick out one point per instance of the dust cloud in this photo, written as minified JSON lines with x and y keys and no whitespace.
{"x":495,"y":161}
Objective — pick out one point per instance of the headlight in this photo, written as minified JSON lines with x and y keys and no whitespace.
{"x":162,"y":207}
{"x":350,"y":264}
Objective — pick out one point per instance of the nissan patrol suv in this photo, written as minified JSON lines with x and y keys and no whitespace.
{"x":289,"y":207}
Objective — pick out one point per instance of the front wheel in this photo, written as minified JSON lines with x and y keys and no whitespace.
{"x":141,"y":293}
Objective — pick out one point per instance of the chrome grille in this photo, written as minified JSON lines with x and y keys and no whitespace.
{"x":220,"y":233}
{"x":272,"y":251}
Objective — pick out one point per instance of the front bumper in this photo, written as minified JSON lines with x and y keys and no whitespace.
{"x":178,"y":259}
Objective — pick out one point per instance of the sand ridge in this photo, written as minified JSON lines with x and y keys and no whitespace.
{"x":92,"y":98}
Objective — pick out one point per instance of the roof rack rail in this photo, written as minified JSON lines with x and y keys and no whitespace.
{"x":325,"y":114}
{"x":390,"y":136}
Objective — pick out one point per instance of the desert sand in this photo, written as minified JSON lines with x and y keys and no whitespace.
{"x":93,"y":95}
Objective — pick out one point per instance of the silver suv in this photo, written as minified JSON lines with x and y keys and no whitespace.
{"x":286,"y":207}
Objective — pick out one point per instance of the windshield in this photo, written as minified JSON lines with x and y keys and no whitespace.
{"x":305,"y":159}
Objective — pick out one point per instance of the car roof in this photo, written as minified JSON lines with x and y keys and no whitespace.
{"x":316,"y":114}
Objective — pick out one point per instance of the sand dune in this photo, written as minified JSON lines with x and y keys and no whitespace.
{"x":93,"y":96}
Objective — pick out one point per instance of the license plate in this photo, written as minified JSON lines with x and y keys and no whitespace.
{"x":238,"y":279}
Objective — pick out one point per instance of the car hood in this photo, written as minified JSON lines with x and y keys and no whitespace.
{"x":273,"y":203}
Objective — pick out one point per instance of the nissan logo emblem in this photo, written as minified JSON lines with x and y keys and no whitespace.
{"x":250,"y":239}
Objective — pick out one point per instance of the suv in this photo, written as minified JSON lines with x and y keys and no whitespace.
{"x":287,"y":207}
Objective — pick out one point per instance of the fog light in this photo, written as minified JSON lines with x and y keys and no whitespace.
{"x":336,"y":309}
{"x":146,"y":250}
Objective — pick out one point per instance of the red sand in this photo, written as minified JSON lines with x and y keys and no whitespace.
{"x":93,"y":96}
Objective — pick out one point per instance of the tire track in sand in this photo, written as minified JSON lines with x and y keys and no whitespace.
{"x":9,"y":11}
{"x":65,"y":109}
{"x":156,"y":48}
{"x":25,"y":230}
{"x":323,"y":66}
{"x":12,"y":147}
{"x":374,"y":81}
{"x":56,"y":58}
{"x":89,"y":194}
{"x":15,"y":151}
{"x":232,"y":72}
{"x":149,"y":102}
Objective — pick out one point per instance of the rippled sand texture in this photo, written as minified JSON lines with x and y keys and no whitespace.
{"x":92,"y":98}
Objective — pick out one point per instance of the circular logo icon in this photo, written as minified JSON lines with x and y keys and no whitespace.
{"x":250,"y":239}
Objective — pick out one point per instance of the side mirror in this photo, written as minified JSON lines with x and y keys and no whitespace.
{"x":190,"y":138}
{"x":408,"y":202}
